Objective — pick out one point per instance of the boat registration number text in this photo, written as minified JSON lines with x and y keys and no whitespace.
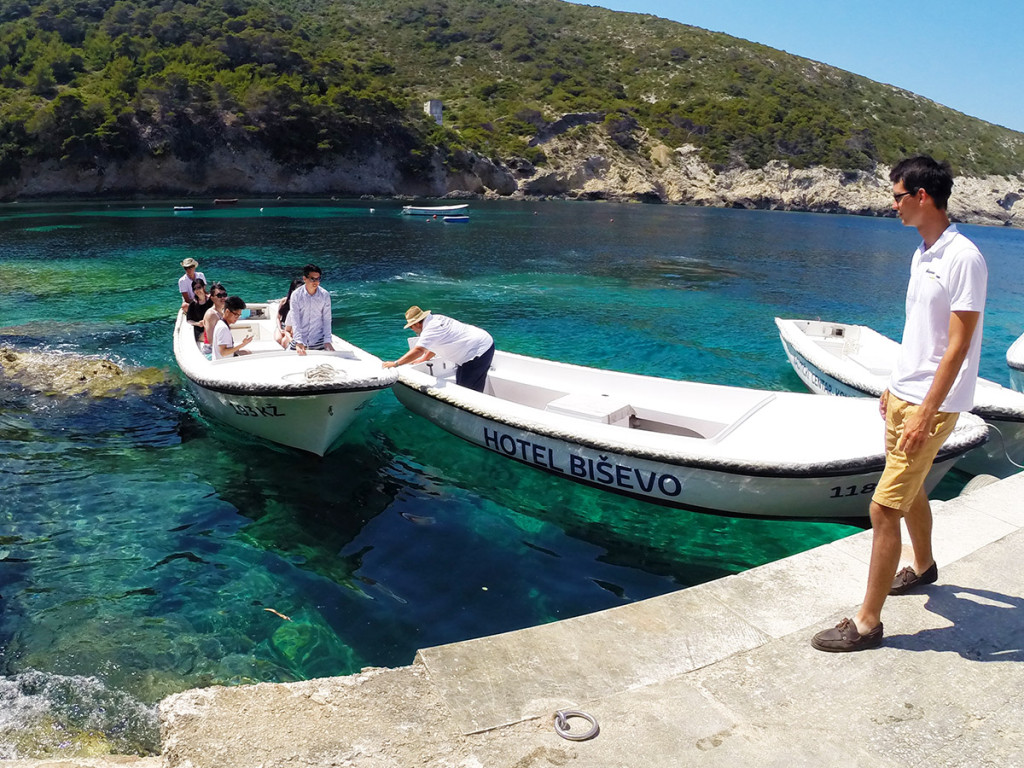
{"x":256,"y":411}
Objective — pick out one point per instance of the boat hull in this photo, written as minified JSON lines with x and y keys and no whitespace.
{"x":995,"y":457}
{"x":310,"y":423}
{"x":433,"y":210}
{"x":1015,"y":359}
{"x":278,"y":395}
{"x":675,"y":484}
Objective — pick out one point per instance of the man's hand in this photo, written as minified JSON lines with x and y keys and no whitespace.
{"x":916,"y":430}
{"x":883,"y":403}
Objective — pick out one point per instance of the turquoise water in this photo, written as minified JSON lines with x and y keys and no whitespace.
{"x":141,"y":546}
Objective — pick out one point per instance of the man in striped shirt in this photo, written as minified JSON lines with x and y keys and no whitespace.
{"x":310,"y":313}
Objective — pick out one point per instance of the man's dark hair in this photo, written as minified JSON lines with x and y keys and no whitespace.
{"x":922,"y":172}
{"x":234,"y":303}
{"x":199,"y":283}
{"x":306,"y":270}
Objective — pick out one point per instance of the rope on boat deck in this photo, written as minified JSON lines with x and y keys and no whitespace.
{"x":323,"y":372}
{"x":563,"y":729}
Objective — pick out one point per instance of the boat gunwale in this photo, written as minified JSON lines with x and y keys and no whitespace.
{"x":225,"y":385}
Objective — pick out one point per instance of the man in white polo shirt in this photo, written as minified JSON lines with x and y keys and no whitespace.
{"x":469,"y":347}
{"x":932,"y":382}
{"x":186,"y":280}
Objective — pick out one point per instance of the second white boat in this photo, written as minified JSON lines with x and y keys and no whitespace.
{"x":1015,"y":359}
{"x":855,"y":361}
{"x":702,"y":447}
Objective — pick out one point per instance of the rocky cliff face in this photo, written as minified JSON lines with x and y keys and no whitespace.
{"x":584,"y":161}
{"x":588,"y":164}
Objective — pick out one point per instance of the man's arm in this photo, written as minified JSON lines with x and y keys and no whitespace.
{"x":327,"y":323}
{"x":413,"y":356}
{"x":297,"y":321}
{"x":961,"y":330}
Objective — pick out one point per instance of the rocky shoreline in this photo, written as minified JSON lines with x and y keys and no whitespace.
{"x":582,"y":163}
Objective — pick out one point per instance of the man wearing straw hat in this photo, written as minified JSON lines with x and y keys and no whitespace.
{"x":469,"y":347}
{"x":186,"y":280}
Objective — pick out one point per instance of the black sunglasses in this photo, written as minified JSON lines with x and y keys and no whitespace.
{"x":220,"y":295}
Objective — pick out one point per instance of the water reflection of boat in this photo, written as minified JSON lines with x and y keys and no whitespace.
{"x":302,"y":402}
{"x":855,"y":361}
{"x":684,"y":444}
{"x":432,"y":210}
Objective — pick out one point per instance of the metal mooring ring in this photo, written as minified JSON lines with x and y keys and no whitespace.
{"x":562,"y":727}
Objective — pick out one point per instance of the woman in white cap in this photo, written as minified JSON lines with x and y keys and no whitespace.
{"x":469,"y":347}
{"x":186,"y":280}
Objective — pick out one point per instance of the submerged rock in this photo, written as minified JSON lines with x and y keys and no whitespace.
{"x":59,"y":373}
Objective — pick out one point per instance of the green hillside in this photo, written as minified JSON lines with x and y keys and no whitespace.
{"x":97,"y":81}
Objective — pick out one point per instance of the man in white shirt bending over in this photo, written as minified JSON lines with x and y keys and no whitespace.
{"x":469,"y":347}
{"x":310,"y":313}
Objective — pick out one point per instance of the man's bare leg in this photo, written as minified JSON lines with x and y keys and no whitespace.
{"x":885,"y":557}
{"x":919,"y":526}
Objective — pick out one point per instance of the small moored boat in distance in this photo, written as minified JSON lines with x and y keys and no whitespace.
{"x":856,"y":361}
{"x":225,"y":200}
{"x":702,"y":447}
{"x":432,"y":210}
{"x":455,"y":219}
{"x":1015,"y":359}
{"x":182,"y":208}
{"x":304,"y":402}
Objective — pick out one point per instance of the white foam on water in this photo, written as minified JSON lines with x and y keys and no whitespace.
{"x":45,"y":715}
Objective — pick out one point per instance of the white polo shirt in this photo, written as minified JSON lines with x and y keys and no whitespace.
{"x":452,"y":340}
{"x":951,"y":276}
{"x":185,"y":284}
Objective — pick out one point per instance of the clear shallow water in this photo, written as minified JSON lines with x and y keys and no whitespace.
{"x":140,"y":546}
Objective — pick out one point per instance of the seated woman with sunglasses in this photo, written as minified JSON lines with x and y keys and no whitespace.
{"x":213,"y":314}
{"x":198,"y":307}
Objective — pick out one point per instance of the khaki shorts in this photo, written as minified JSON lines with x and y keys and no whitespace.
{"x":903,"y":477}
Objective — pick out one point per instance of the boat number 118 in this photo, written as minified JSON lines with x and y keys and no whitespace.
{"x":851,"y":490}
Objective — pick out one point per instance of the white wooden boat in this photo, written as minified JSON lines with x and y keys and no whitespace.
{"x":701,"y":447}
{"x":302,"y":402}
{"x":855,"y":361}
{"x":432,"y":210}
{"x":1015,"y":359}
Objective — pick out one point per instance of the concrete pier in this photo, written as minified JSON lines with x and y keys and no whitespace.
{"x":721,"y":674}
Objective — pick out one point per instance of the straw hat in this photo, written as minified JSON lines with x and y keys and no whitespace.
{"x":190,"y":262}
{"x":413,"y":315}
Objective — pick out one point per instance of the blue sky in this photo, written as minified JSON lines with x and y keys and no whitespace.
{"x":968,"y":56}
